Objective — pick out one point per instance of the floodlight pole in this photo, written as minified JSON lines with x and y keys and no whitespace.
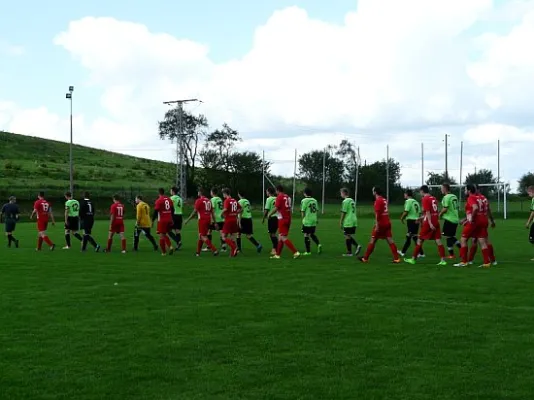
{"x":446,"y":157}
{"x":181,"y":167}
{"x":68,"y":96}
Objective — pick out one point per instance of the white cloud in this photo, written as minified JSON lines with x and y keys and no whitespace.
{"x":10,"y":49}
{"x":391,"y":67}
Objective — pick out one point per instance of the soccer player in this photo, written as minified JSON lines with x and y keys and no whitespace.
{"x":87,"y":219}
{"x":116,"y":223}
{"x":10,"y":215}
{"x":245,"y":223}
{"x":177,"y":217}
{"x":163,"y":211}
{"x":484,"y":207}
{"x":381,"y":229}
{"x":470,"y":228}
{"x":449,"y":213}
{"x":206,"y":218}
{"x":43,"y":209}
{"x":143,"y":223}
{"x":348,"y":222}
{"x":72,"y":219}
{"x":430,"y":226}
{"x":282,"y":208}
{"x":309,"y":207}
{"x":272,"y":221}
{"x":412,"y":215}
{"x":530,"y":220}
{"x":217,"y":206}
{"x":231,"y":209}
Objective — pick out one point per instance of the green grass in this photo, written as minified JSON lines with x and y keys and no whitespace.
{"x":321,"y":327}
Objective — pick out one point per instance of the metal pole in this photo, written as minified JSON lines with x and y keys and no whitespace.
{"x":71,"y":166}
{"x":505,"y":207}
{"x":446,"y":157}
{"x":263,"y":178}
{"x":461,"y":166}
{"x":498,"y":176}
{"x":294,"y":182}
{"x":422,"y":164}
{"x":358,"y":159}
{"x":324,"y":182}
{"x":387,"y":172}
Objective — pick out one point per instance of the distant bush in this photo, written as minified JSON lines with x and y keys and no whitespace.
{"x":11,"y":166}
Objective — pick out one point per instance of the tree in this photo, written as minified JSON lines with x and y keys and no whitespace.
{"x":219,"y":146}
{"x":375,"y":175}
{"x":194,"y":129}
{"x":311,"y":171}
{"x":346,"y":152}
{"x":435,"y":178}
{"x":524,"y":182}
{"x":483,"y":176}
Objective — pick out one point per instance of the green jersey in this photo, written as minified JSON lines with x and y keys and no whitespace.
{"x":73,"y":208}
{"x":532,"y":205}
{"x":348,"y":207}
{"x":412,"y":208}
{"x":245,"y":205}
{"x":450,"y":202}
{"x":178,"y":204}
{"x":217,"y":205}
{"x":309,"y":206}
{"x":269,"y":203}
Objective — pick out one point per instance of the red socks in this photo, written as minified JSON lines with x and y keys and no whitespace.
{"x":279,"y":247}
{"x":232,"y":244}
{"x":441,"y":251}
{"x":491,"y":253}
{"x":290,"y":246}
{"x":199,"y":246}
{"x":39,"y":243}
{"x":168,"y":241}
{"x":472,"y":252}
{"x":393,"y":248}
{"x":369,"y":251}
{"x":486,"y":256}
{"x":123,"y":244}
{"x":211,"y":246}
{"x":110,"y":242}
{"x":47,"y":240}
{"x":463,"y":254}
{"x":417,"y":250}
{"x":162,"y":245}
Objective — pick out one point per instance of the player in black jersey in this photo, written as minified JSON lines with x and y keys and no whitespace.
{"x":87,"y":218}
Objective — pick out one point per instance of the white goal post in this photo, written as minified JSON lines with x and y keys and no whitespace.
{"x":501,"y":188}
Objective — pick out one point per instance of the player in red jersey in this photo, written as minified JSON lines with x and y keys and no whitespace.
{"x":429,"y":227}
{"x":282,"y":209}
{"x":483,"y":203}
{"x":116,"y":223}
{"x":381,"y":229}
{"x":43,"y":210}
{"x":469,"y":230}
{"x":163,"y":211}
{"x":206,"y":218}
{"x":231,"y":209}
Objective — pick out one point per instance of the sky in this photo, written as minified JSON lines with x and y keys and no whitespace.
{"x":287,"y":74}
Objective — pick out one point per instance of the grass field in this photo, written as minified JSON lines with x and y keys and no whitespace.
{"x":140,"y":326}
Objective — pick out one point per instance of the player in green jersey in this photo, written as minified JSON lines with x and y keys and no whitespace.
{"x":348,"y":223}
{"x":530,"y":224}
{"x":412,"y":216}
{"x":245,"y":223}
{"x":451,"y":218}
{"x":177,"y":216}
{"x":72,"y":219}
{"x":309,"y":208}
{"x":217,"y":205}
{"x":272,"y":222}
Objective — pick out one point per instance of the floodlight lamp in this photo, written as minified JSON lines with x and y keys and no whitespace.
{"x":68,"y":96}
{"x":71,"y":89}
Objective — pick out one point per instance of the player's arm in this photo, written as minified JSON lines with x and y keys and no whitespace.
{"x":33,"y":212}
{"x":2,"y":214}
{"x":530,"y":218}
{"x":490,"y":216}
{"x":66,"y":213}
{"x":138,"y":214}
{"x":443,"y":210}
{"x":155,"y":213}
{"x":428,"y":217}
{"x":195,"y":211}
{"x":404,"y":213}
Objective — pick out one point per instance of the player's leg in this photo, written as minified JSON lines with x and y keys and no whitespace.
{"x":45,"y":237}
{"x":9,"y":238}
{"x":287,"y":242}
{"x":272,"y":226}
{"x":485,"y":252}
{"x":307,"y":241}
{"x":204,"y":229}
{"x":473,"y":250}
{"x":238,"y":242}
{"x":162,"y":238}
{"x":491,"y":251}
{"x":531,"y":237}
{"x":150,"y":238}
{"x":249,"y":232}
{"x":370,"y":248}
{"x":110,"y":239}
{"x":315,"y":240}
{"x":67,"y":236}
{"x":407,"y":243}
{"x":417,"y":249}
{"x":392,"y":246}
{"x":347,"y":234}
{"x":88,"y":235}
{"x":136,"y":238}
{"x":441,"y":249}
{"x":123,"y":239}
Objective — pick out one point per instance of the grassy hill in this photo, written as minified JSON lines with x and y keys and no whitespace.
{"x":28,"y":164}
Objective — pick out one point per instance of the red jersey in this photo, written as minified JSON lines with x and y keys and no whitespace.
{"x":117,"y":210}
{"x":232,"y":208}
{"x":430,"y":204}
{"x":203,"y":208}
{"x":164,"y":207}
{"x":381,"y":211}
{"x":483,"y":208}
{"x":283,"y":206}
{"x":471,"y":201}
{"x":42,"y":209}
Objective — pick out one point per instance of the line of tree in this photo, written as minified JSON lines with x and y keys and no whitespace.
{"x":212,"y":157}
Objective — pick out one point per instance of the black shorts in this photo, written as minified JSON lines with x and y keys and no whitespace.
{"x":177,"y":221}
{"x":10,"y":226}
{"x":351,"y":230}
{"x":246,"y":226}
{"x":218,"y":226}
{"x":73,"y":224}
{"x":449,"y":229}
{"x":531,"y":234}
{"x":87,"y":225}
{"x":308,"y":230}
{"x":272,"y":225}
{"x":413,"y":227}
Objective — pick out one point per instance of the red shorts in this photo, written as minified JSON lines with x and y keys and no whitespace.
{"x":469,"y":230}
{"x":384,"y":232}
{"x":230,"y":227}
{"x":164,"y":227}
{"x":204,"y":227}
{"x":283,"y":227}
{"x":42,"y":225}
{"x":482,"y":230}
{"x":428,"y":234}
{"x":117,"y":227}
